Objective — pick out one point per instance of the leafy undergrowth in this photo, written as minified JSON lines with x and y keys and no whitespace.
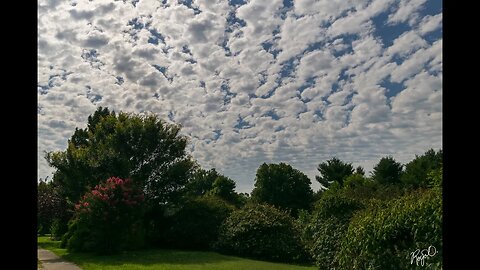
{"x":162,"y":259}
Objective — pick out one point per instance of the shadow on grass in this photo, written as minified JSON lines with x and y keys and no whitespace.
{"x":150,"y":257}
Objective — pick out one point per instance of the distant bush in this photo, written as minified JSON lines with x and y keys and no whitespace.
{"x":324,"y":231}
{"x":196,"y":224}
{"x":58,"y":229}
{"x":107,"y":219}
{"x":261,"y":231}
{"x":383,"y":236}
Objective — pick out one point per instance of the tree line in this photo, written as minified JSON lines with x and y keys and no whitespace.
{"x":126,"y":182}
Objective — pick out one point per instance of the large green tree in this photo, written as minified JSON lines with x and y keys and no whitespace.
{"x":210,"y":182}
{"x":201,"y":182}
{"x":333,"y":170}
{"x":283,"y":186}
{"x":141,"y":147}
{"x":387,"y":171}
{"x":416,"y":171}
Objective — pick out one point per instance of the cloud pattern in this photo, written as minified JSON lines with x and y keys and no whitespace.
{"x":250,"y":81}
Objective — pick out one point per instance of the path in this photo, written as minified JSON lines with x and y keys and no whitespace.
{"x":50,"y":261}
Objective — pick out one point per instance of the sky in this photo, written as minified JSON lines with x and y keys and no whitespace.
{"x":295,"y":81}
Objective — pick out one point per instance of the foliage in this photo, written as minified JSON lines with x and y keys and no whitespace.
{"x":360,"y":170}
{"x":324,"y":230}
{"x":224,"y":187}
{"x":416,"y":171}
{"x":213,"y":183}
{"x":51,"y":209}
{"x":356,"y":180}
{"x":333,"y":170}
{"x":282,"y":186}
{"x":201,"y":182}
{"x":107,"y":219}
{"x":435,"y":179}
{"x":142,"y":147}
{"x":261,"y":231}
{"x":197,"y":223}
{"x":58,"y":228}
{"x":387,"y":171}
{"x":384,"y":235}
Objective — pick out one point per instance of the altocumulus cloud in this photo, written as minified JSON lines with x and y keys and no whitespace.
{"x":250,"y":81}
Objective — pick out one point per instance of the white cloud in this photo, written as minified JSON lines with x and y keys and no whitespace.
{"x":408,"y":11}
{"x":407,"y":43}
{"x":431,"y":23}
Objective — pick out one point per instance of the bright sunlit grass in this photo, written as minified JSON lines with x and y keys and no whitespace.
{"x":161,"y":259}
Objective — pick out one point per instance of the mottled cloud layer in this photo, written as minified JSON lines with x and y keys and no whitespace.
{"x":250,"y":81}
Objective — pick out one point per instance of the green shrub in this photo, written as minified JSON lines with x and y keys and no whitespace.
{"x":58,"y":229}
{"x":107,"y":219}
{"x":324,"y":231}
{"x":261,"y":231}
{"x":196,"y":224}
{"x":384,"y":235}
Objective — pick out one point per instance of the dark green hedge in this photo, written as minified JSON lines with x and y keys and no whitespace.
{"x":261,"y":231}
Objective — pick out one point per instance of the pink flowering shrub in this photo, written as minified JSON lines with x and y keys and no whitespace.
{"x":108,"y":218}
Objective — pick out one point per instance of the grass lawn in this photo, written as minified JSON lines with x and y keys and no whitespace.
{"x":161,"y":259}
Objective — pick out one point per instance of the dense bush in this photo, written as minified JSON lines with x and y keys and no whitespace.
{"x":261,"y":231}
{"x":385,"y":235}
{"x":324,"y":231}
{"x":197,"y":223}
{"x":52,"y":213}
{"x":107,"y":219}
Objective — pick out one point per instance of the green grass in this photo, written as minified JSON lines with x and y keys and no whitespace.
{"x":161,"y":259}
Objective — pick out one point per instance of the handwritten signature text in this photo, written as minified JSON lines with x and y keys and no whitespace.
{"x":419,"y":256}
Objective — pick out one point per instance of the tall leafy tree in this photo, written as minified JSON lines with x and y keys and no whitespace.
{"x":143,"y":148}
{"x":333,"y":170}
{"x":283,"y":186}
{"x":387,"y":171}
{"x":201,"y":182}
{"x":416,"y":171}
{"x":211,"y":182}
{"x":224,"y":188}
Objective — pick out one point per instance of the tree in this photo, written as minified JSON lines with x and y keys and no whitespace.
{"x":143,"y":148}
{"x":51,"y":207}
{"x":201,"y":182}
{"x":211,"y":182}
{"x":282,"y":186}
{"x":333,"y":170}
{"x":108,"y":218}
{"x":416,"y":171}
{"x":224,"y":188}
{"x":387,"y":171}
{"x":359,"y":170}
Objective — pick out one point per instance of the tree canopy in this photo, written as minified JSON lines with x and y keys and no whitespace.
{"x":387,"y":171}
{"x":416,"y":171}
{"x":143,"y":148}
{"x":334,"y":170}
{"x":283,"y":186}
